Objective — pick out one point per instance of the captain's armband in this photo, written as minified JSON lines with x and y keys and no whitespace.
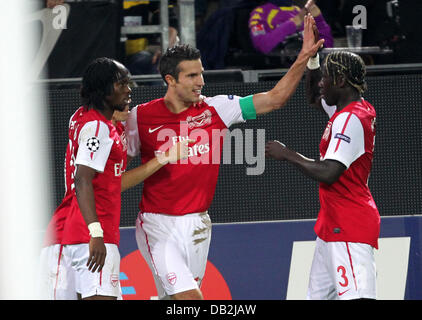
{"x":247,"y":107}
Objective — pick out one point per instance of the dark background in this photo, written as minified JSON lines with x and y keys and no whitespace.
{"x":281,"y":192}
{"x":93,"y":30}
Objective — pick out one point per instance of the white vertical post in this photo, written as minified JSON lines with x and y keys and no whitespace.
{"x":164,"y":22}
{"x":187,"y":22}
{"x":24,"y":186}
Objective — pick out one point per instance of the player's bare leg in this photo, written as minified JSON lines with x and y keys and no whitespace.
{"x":194,"y":294}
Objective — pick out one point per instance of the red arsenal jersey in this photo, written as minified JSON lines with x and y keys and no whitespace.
{"x":94,"y":142}
{"x":186,"y":186}
{"x":348,"y":211}
{"x":55,"y":227}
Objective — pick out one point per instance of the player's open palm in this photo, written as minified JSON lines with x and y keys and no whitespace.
{"x":311,"y":43}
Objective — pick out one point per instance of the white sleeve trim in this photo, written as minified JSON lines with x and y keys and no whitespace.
{"x":347,"y":139}
{"x":94,"y":147}
{"x":227,"y":107}
{"x":132,"y":133}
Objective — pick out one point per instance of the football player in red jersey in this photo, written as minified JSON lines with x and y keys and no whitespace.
{"x":348,"y":222}
{"x":173,"y":229}
{"x":96,"y":162}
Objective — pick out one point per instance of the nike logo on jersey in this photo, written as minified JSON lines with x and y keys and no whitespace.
{"x":155,"y":129}
{"x":343,"y":292}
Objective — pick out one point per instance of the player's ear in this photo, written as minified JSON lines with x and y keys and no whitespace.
{"x":171,"y":81}
{"x":341,"y":81}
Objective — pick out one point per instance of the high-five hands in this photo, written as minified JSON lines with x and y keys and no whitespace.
{"x":311,"y":41}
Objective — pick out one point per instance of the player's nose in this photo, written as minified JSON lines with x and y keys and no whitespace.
{"x":200,"y":81}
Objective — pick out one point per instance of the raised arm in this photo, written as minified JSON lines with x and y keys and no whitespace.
{"x":278,"y":96}
{"x":312,"y":78}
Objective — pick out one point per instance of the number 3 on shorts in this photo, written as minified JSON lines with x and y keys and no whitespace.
{"x":342,"y":270}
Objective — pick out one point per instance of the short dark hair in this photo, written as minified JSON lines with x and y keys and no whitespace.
{"x":98,"y":80}
{"x":173,"y":56}
{"x":348,"y":64}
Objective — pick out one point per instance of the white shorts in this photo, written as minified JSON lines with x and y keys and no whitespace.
{"x":342,"y":271}
{"x":74,"y":273}
{"x":175,"y":248}
{"x":53,"y":283}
